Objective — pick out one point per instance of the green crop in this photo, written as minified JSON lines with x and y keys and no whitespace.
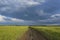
{"x":12,"y":32}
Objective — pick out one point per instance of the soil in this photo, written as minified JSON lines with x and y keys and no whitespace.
{"x":32,"y":34}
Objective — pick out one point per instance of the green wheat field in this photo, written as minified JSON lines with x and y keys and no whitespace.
{"x":50,"y":32}
{"x":13,"y":32}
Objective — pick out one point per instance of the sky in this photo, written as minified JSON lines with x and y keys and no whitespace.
{"x":29,"y":12}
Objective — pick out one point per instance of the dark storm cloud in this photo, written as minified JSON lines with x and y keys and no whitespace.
{"x":51,"y":6}
{"x":25,"y":11}
{"x":31,"y":11}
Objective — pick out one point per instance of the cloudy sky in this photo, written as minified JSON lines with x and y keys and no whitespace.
{"x":29,"y":12}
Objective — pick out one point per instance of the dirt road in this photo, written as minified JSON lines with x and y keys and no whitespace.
{"x":32,"y":34}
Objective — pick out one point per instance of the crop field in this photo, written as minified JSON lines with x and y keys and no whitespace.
{"x":12,"y":32}
{"x":15,"y":32}
{"x":50,"y":32}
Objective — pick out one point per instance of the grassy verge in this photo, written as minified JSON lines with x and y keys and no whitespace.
{"x":12,"y":32}
{"x":52,"y":33}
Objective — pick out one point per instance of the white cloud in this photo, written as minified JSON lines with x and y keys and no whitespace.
{"x":18,"y":2}
{"x":55,"y":16}
{"x":5,"y":19}
{"x":30,"y":3}
{"x":52,"y":18}
{"x":9,"y":20}
{"x":15,"y":5}
{"x":2,"y":18}
{"x":16,"y":20}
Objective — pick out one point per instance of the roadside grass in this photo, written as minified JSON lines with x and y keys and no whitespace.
{"x":12,"y":32}
{"x":52,"y":33}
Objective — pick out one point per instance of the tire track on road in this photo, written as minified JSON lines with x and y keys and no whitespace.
{"x":32,"y":34}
